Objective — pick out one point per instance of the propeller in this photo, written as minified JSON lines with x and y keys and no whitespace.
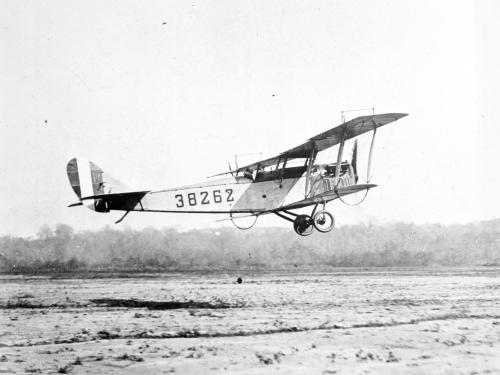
{"x":355,"y":160}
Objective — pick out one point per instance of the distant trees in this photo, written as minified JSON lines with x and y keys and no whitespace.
{"x":399,"y":244}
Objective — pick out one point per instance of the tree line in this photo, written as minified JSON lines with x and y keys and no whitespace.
{"x":61,"y":249}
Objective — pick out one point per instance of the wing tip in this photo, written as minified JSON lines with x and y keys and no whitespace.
{"x":398,"y":115}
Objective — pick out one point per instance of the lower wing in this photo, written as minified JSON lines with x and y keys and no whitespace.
{"x":320,"y":198}
{"x":327,"y":196}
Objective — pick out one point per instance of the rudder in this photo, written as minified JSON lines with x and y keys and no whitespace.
{"x":87,"y":179}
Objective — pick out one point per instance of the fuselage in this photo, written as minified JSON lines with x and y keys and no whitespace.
{"x":279,"y":184}
{"x":266,"y":190}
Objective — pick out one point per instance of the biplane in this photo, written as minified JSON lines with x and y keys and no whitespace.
{"x":278,"y":185}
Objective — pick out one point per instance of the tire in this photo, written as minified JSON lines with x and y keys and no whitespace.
{"x":323,"y":221}
{"x":303,"y":225}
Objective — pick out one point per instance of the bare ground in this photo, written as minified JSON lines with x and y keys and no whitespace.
{"x":357,"y":321}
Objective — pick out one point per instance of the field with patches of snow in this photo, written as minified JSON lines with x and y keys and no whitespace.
{"x":314,"y":322}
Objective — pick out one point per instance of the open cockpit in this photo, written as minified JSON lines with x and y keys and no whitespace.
{"x":320,"y":177}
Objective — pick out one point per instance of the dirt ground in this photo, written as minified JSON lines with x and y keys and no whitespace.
{"x":306,"y":322}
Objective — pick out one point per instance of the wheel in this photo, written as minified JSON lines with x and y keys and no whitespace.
{"x":323,"y":221}
{"x":303,"y":225}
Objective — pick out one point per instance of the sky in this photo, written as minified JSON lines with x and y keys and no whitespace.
{"x":165,"y":93}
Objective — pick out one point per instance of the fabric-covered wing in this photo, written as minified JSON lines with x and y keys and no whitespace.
{"x":352,"y":128}
{"x":327,"y":196}
{"x":330,"y":138}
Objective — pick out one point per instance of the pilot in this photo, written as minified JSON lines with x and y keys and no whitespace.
{"x":343,"y":170}
{"x":318,"y":171}
{"x":322,"y":170}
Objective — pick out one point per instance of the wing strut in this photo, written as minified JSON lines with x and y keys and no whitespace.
{"x":312,"y":158}
{"x":339,"y":160}
{"x":368,"y":177}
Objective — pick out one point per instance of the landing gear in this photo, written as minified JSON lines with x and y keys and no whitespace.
{"x":323,"y":221}
{"x":303,"y":225}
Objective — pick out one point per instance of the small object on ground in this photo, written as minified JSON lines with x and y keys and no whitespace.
{"x":103,"y":334}
{"x":239,"y":280}
{"x":64,"y":369}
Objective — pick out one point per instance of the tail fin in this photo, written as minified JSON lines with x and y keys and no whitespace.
{"x":89,"y":181}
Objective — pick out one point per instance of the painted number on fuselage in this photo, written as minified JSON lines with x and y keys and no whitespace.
{"x":180,"y":200}
{"x":192,"y":199}
{"x":204,"y":198}
{"x":229,"y":193}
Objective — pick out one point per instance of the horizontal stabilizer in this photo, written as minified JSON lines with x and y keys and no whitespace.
{"x":130,"y":194}
{"x":126,"y":201}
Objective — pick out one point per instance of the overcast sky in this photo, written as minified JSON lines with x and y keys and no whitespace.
{"x":165,"y":93}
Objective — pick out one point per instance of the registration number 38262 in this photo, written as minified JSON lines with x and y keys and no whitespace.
{"x":204,"y":197}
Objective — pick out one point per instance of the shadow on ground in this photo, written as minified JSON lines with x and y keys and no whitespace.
{"x":161,"y":305}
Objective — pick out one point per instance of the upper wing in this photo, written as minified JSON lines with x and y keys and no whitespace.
{"x":330,"y":138}
{"x":352,"y":129}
